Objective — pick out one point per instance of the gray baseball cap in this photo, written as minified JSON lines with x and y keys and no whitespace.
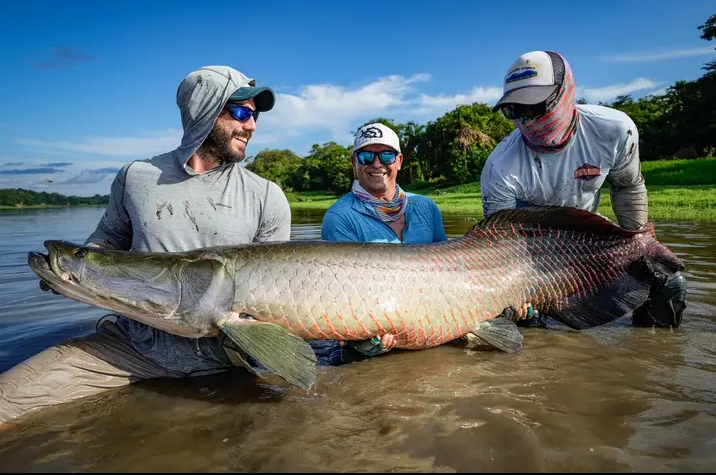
{"x":532,"y":78}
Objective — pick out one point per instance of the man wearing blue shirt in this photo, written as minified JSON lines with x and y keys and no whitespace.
{"x":378,"y":210}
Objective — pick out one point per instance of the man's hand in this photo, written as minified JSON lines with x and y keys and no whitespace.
{"x":522,"y":313}
{"x":666,"y":302}
{"x":375,"y":346}
{"x":44,"y":286}
{"x":525,"y":316}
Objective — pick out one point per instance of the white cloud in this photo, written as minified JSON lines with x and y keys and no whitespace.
{"x":334,"y":109}
{"x":442,"y":103}
{"x":662,"y":55}
{"x":313,"y":113}
{"x":138,"y":147}
{"x":658,"y":92}
{"x":68,"y":178}
{"x":595,"y":94}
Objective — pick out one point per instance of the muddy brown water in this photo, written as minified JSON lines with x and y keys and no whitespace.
{"x":613,"y":398}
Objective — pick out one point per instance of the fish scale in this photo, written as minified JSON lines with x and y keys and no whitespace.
{"x":428,"y":294}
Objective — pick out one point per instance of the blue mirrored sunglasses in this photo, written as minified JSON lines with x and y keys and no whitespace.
{"x":386,"y":157}
{"x":242,"y":113}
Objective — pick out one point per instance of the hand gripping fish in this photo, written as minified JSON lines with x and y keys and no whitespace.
{"x":269,"y":298}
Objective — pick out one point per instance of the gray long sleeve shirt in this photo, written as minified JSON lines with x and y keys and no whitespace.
{"x":161,"y":204}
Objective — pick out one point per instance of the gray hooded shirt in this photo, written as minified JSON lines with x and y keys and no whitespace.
{"x":162,"y":204}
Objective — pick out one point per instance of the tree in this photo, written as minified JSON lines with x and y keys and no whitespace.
{"x":326,"y":168}
{"x":275,"y":165}
{"x":455,"y":147}
{"x":709,"y":32}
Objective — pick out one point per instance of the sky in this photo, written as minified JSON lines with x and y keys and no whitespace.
{"x":88,"y":86}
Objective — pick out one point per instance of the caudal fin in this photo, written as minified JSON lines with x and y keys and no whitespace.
{"x":620,"y":297}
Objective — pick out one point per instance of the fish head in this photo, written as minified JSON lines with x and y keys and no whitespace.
{"x":193,"y":289}
{"x":116,"y":280}
{"x":68,"y":261}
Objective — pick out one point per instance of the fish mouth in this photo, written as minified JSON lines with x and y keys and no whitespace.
{"x":40,"y":263}
{"x":47,"y":269}
{"x":45,"y":266}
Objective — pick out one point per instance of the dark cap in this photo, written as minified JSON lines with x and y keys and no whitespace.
{"x":264,"y":97}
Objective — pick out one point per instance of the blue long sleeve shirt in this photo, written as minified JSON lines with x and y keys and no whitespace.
{"x":349,"y":219}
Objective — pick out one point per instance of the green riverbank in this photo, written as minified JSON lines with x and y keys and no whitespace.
{"x":686,"y":203}
{"x":683,"y":190}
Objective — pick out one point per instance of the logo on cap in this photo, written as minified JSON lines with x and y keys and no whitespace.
{"x":371,"y":133}
{"x":521,"y":73}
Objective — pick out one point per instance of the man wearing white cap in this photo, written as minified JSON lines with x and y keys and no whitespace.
{"x":561,"y":154}
{"x":378,"y":210}
{"x":196,"y":195}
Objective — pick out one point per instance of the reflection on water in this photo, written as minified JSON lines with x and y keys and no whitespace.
{"x":608,"y":399}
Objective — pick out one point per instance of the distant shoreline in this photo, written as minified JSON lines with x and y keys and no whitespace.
{"x":683,"y":190}
{"x":4,"y":207}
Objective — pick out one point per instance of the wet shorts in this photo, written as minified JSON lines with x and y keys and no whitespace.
{"x":117,"y":354}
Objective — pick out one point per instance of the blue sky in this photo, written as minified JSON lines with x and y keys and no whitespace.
{"x":88,"y":87}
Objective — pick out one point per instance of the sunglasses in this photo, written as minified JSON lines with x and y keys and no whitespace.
{"x":518,"y":111}
{"x":386,"y":157}
{"x":242,"y":113}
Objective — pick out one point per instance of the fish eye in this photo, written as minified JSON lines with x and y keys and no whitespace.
{"x":80,"y":253}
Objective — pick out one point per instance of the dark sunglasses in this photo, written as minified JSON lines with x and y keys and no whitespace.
{"x":518,"y":111}
{"x":242,"y":113}
{"x":529,"y":111}
{"x":386,"y":157}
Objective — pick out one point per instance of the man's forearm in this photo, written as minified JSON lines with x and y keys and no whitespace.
{"x":630,"y":205}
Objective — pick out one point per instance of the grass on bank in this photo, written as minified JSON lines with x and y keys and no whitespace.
{"x":678,"y":189}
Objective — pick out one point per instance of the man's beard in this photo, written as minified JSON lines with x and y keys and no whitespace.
{"x":216,"y":149}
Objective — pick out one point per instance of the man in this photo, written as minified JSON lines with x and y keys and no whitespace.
{"x":378,"y":210}
{"x":561,"y":153}
{"x":195,"y":196}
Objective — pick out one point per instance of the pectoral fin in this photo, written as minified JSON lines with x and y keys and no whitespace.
{"x":275,"y":348}
{"x":238,"y":360}
{"x":501,"y":333}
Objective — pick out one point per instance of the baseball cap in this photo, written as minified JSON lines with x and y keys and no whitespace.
{"x":376,"y":133}
{"x":532,"y":78}
{"x":264,"y":97}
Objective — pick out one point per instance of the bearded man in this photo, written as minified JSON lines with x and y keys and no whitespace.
{"x":195,"y":196}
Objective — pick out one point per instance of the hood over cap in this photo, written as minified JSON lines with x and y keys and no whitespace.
{"x":202,"y":95}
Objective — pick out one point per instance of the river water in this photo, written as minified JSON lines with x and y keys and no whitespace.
{"x":608,"y":399}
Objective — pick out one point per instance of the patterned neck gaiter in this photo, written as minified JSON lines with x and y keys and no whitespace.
{"x":552,"y":131}
{"x":386,"y":210}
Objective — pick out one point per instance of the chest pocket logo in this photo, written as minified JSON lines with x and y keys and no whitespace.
{"x":587,"y":172}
